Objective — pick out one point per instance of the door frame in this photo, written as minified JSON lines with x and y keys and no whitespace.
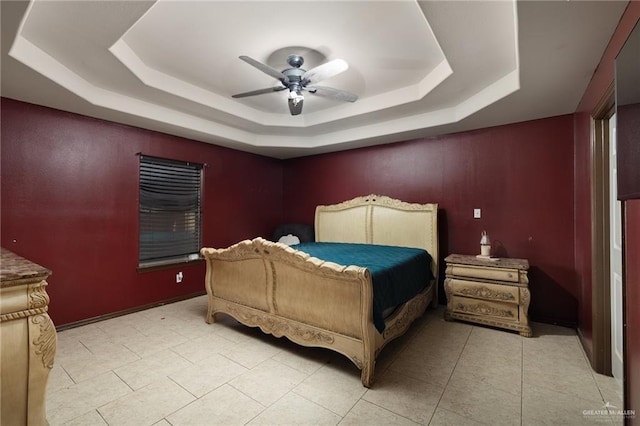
{"x":600,"y":234}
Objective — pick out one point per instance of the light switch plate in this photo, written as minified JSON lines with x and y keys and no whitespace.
{"x":476,"y":213}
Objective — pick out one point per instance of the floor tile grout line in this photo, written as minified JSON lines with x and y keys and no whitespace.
{"x":248,"y":396}
{"x":381,"y":407}
{"x":86,"y":347}
{"x":101,"y":416}
{"x":444,"y":388}
{"x":184,"y":406}
{"x":401,"y":350}
{"x":68,"y":374}
{"x":453,"y":412}
{"x":266,"y":407}
{"x":318,"y":404}
{"x":123,"y":380}
{"x":313,"y":402}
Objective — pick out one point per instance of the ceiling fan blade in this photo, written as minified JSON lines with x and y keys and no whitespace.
{"x":266,"y":69}
{"x":330,"y":92}
{"x":295,"y":107}
{"x":259,"y":92}
{"x":324,"y":71}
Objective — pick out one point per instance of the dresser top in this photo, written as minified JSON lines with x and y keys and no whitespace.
{"x":497,"y":262}
{"x":14,"y":267}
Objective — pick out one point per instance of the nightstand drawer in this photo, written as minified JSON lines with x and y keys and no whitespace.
{"x":499,"y":310}
{"x":495,"y":274}
{"x":479,"y":290}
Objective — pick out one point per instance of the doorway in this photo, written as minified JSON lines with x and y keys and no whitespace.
{"x":607,"y":298}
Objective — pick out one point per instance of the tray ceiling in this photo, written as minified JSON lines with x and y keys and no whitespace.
{"x":418,"y":68}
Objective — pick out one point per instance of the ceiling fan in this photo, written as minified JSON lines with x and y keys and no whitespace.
{"x":297,"y":79}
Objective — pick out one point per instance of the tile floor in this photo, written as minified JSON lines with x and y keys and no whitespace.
{"x":166,"y":366}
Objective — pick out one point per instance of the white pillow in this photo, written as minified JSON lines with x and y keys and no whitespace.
{"x":289,"y":239}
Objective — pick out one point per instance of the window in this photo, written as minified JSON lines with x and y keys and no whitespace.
{"x":170,"y":207}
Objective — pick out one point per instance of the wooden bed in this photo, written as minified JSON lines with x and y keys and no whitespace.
{"x":288,"y":293}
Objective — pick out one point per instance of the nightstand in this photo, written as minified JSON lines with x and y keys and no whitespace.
{"x":494,"y":292}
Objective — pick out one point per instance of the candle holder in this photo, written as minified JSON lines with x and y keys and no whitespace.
{"x":485,"y":245}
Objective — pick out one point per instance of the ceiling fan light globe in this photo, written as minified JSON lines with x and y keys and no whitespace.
{"x":295,"y":97}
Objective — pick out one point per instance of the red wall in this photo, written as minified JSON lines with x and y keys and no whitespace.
{"x":632,"y":302}
{"x":520,"y":175}
{"x":628,"y":148}
{"x":70,"y":198}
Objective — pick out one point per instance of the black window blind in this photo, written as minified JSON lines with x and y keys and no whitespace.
{"x":170,"y":206}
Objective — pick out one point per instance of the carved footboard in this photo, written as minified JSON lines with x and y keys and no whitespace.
{"x":286,"y":292}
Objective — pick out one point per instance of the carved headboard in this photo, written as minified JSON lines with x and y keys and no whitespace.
{"x":377,"y":219}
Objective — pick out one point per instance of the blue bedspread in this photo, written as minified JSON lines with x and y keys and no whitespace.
{"x":397,"y":273}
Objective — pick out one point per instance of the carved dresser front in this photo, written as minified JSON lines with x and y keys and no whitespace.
{"x":494,"y":292}
{"x":27,"y":338}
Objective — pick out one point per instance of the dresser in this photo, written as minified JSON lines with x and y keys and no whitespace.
{"x":28,"y":343}
{"x":493,"y":292}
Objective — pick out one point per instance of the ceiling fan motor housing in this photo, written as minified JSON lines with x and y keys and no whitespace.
{"x":295,"y":79}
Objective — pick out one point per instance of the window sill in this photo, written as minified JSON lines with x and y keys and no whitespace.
{"x":169,"y":264}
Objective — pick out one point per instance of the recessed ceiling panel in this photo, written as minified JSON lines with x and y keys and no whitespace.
{"x":388,"y":44}
{"x":418,"y":68}
{"x":388,"y":47}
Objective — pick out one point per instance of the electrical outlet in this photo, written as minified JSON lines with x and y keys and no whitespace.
{"x":179,"y":277}
{"x":477,"y":213}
